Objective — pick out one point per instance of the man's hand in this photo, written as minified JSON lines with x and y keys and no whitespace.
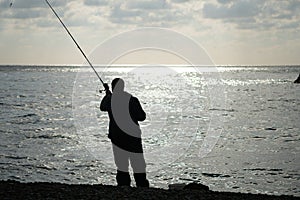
{"x":106,"y":87}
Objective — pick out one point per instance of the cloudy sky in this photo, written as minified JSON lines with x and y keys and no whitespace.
{"x":232,"y":32}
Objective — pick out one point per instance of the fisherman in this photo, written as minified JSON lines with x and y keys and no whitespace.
{"x":124,"y":112}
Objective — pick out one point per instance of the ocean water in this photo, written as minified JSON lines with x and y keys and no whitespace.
{"x":233,"y":128}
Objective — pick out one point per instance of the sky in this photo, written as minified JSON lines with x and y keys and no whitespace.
{"x":244,"y":32}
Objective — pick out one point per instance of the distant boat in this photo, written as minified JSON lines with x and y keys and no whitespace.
{"x":297,"y":80}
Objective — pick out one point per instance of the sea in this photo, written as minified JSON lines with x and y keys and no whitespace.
{"x":232,"y":128}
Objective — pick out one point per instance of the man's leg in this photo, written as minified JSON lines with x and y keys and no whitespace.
{"x":138,"y":164}
{"x":122,"y":162}
{"x":141,"y":180}
{"x":123,"y":178}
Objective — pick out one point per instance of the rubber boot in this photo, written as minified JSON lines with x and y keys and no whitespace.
{"x":141,"y":180}
{"x":123,"y":178}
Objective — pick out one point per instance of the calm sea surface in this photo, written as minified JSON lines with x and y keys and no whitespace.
{"x":234,"y":129}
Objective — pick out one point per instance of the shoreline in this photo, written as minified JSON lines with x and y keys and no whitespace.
{"x":43,"y":190}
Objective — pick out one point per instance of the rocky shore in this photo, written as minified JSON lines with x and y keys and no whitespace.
{"x":17,"y":190}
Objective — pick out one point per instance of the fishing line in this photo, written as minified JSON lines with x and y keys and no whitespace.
{"x":82,"y":52}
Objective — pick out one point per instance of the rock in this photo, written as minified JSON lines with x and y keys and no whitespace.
{"x":297,"y":80}
{"x":190,"y":186}
{"x":43,"y":190}
{"x":270,"y":129}
{"x":177,"y":186}
{"x":196,"y":186}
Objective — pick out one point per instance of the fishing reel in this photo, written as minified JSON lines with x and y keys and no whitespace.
{"x":105,"y":89}
{"x":102,"y":90}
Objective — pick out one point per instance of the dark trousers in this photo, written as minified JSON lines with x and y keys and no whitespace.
{"x":138,"y":165}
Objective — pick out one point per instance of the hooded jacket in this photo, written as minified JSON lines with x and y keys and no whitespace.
{"x":124,"y":111}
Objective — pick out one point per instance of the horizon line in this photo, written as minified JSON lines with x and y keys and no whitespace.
{"x":151,"y":65}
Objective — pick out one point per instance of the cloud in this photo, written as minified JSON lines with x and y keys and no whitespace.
{"x":29,"y":4}
{"x":146,"y":4}
{"x":259,"y":15}
{"x":180,"y":1}
{"x":120,"y":15}
{"x":294,"y":5}
{"x":291,"y":25}
{"x":138,"y":12}
{"x":36,"y":13}
{"x":29,"y":9}
{"x":253,"y":24}
{"x":224,"y":1}
{"x":4,"y":4}
{"x":95,"y":2}
{"x":46,"y":23}
{"x":79,"y":15}
{"x":22,"y":4}
{"x":243,"y":14}
{"x":24,"y":14}
{"x":147,"y":13}
{"x":240,"y":9}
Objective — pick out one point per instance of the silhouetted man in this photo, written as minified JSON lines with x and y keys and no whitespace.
{"x":124,"y":112}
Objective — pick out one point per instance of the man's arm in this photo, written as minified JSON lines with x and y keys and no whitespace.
{"x":137,"y":110}
{"x":105,"y":103}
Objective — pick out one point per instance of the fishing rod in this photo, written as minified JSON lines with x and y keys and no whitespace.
{"x":82,"y":52}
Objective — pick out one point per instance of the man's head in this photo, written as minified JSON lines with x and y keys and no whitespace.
{"x":117,"y":85}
